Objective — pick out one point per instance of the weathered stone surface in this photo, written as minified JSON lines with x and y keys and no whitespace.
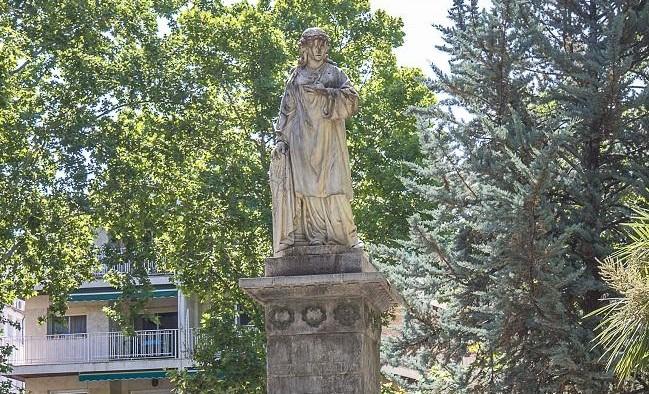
{"x":305,"y":355}
{"x":317,"y":250}
{"x":314,"y":260}
{"x":371,"y":285}
{"x":332,"y":384}
{"x":340,"y":354}
{"x":310,"y":176}
{"x":323,"y":331}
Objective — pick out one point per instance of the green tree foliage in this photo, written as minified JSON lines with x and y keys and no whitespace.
{"x":45,"y":233}
{"x":624,"y":328}
{"x":153,"y":120}
{"x":531,"y":185}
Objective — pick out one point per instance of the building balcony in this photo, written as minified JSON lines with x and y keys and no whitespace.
{"x":157,"y":276}
{"x":150,"y":267}
{"x":101,"y":351}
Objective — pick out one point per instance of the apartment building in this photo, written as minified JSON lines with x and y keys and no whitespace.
{"x":12,"y":322}
{"x":88,"y":354}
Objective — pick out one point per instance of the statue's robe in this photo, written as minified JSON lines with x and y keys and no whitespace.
{"x":312,"y":185}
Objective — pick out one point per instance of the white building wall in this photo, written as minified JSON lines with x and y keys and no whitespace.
{"x":13,"y":313}
{"x":47,"y":385}
{"x":97,"y":321}
{"x":37,"y":307}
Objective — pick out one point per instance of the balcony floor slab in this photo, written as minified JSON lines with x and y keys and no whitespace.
{"x":28,"y":371}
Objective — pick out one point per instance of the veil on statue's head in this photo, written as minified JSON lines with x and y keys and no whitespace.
{"x":308,"y":36}
{"x":313,"y":33}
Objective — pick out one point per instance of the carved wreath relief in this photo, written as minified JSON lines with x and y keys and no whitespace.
{"x":314,"y":315}
{"x":281,"y":317}
{"x":347,"y":314}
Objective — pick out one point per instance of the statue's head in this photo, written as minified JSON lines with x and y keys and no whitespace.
{"x":314,"y":43}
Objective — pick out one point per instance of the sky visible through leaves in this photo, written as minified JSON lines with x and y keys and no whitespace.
{"x":418,"y":17}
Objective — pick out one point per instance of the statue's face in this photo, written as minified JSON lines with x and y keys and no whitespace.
{"x":318,"y":49}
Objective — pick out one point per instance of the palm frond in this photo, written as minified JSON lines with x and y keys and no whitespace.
{"x":623,"y":332}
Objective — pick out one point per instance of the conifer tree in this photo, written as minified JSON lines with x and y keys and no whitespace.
{"x":529,"y":191}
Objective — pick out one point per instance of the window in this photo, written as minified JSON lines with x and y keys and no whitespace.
{"x":69,"y":325}
{"x":242,"y":318}
{"x":18,"y":304}
{"x":165,"y":321}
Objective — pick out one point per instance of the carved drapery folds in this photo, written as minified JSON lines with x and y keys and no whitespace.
{"x":310,"y":175}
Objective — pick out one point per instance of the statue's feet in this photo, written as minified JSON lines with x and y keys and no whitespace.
{"x":316,"y":242}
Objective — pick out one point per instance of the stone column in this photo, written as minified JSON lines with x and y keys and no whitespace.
{"x":323,"y":308}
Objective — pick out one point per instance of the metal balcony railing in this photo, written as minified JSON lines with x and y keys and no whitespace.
{"x":150,"y":267}
{"x":101,"y":347}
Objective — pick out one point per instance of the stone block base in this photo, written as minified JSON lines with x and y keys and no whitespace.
{"x":315,"y":260}
{"x":323,"y":330}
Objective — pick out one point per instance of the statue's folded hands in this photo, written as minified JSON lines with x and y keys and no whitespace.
{"x":319,"y":88}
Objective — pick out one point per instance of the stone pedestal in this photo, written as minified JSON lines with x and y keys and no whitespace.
{"x":323,"y":310}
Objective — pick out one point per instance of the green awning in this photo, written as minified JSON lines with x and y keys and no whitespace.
{"x":126,"y":375}
{"x":114,"y":295}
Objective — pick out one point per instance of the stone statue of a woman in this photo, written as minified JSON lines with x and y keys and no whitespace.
{"x":310,"y":175}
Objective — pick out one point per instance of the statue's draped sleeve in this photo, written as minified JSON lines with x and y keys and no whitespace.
{"x":343,"y":100}
{"x":281,"y":180}
{"x":287,"y":108}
